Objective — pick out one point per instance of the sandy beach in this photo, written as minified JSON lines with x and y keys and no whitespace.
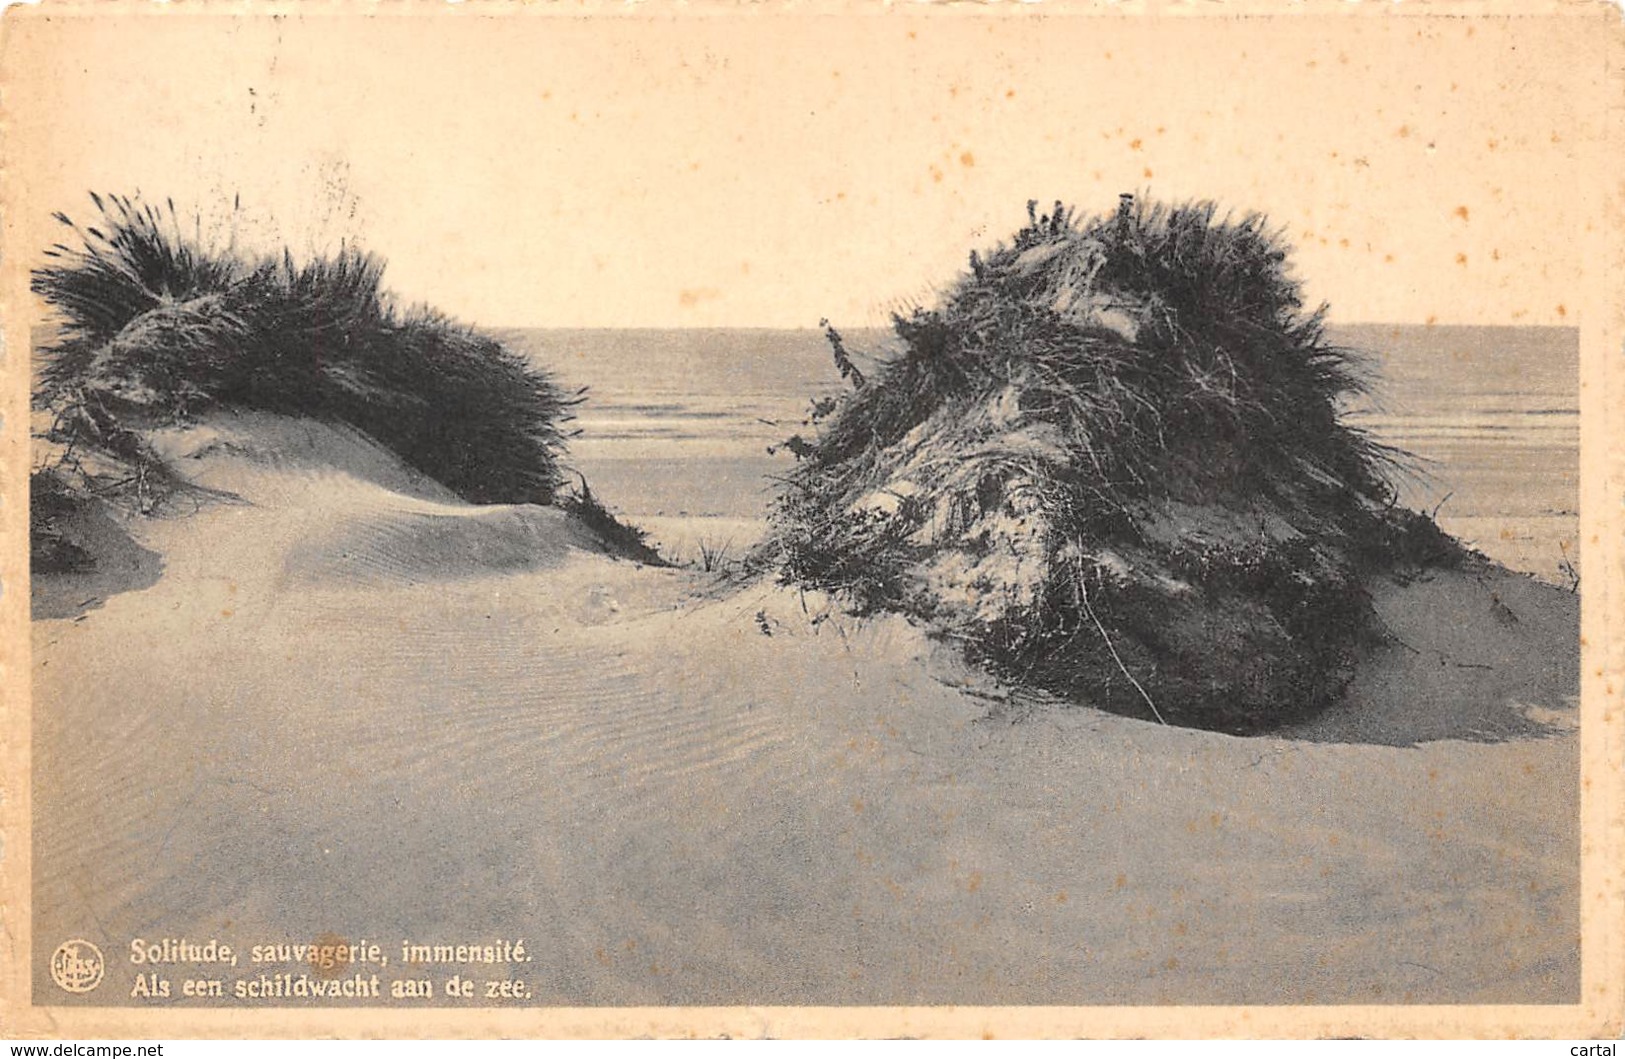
{"x":346,"y":704}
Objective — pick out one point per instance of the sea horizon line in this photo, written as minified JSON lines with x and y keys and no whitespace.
{"x":816,"y":329}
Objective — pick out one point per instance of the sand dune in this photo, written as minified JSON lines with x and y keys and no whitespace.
{"x":354,"y":706}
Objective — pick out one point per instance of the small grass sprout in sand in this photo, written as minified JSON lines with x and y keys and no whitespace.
{"x":713,"y":555}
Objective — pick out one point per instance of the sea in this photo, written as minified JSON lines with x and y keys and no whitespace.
{"x":679,"y":429}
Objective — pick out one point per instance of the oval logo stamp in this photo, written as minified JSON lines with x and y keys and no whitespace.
{"x":76,"y":966}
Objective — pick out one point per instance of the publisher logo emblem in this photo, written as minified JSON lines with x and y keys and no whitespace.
{"x":76,"y":966}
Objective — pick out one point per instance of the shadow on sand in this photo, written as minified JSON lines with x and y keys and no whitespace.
{"x":117,"y":564}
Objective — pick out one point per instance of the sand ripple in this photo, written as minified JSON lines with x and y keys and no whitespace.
{"x":384,"y":715}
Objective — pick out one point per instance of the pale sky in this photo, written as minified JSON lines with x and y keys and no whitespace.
{"x":769,"y":169}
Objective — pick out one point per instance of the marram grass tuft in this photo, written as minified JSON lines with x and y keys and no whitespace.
{"x":154,"y":327}
{"x":1110,"y":464}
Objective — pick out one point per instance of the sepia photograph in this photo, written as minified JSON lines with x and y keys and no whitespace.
{"x":870,"y":514}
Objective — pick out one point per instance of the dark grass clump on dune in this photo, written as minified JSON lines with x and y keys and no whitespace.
{"x":618,"y":537}
{"x":154,"y":329}
{"x":1110,"y":464}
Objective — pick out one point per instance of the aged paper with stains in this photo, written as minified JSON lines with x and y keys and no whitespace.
{"x":377,"y":675}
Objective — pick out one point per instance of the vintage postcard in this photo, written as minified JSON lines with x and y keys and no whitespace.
{"x":863,"y":520}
